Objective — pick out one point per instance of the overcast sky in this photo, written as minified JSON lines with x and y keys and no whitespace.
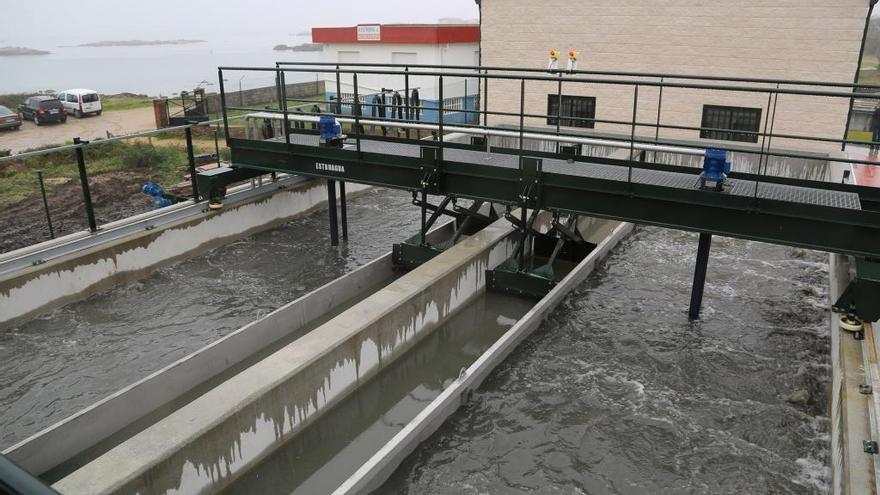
{"x":99,"y":20}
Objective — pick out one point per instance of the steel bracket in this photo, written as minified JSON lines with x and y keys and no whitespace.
{"x":861,"y":295}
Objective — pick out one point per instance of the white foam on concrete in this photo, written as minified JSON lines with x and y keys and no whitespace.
{"x":172,"y":243}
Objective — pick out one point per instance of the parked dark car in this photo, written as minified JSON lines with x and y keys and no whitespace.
{"x":42,"y":109}
{"x":9,"y":119}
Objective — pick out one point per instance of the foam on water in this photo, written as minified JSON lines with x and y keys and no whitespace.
{"x":619,"y":393}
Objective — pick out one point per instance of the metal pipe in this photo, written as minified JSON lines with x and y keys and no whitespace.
{"x":191,"y":162}
{"x":84,"y":182}
{"x":476,"y":131}
{"x":700,"y":276}
{"x":45,"y":204}
{"x":755,"y":134}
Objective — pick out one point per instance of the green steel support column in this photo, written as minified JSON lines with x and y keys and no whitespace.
{"x":331,"y":208}
{"x":343,"y":210}
{"x":700,"y":276}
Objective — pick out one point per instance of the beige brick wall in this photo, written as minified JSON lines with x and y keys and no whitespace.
{"x":781,"y":39}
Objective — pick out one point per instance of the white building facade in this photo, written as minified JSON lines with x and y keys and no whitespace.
{"x":450,"y":45}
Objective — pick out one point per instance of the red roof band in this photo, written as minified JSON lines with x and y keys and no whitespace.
{"x":413,"y":34}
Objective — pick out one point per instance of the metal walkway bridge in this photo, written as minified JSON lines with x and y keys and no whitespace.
{"x":637,"y":187}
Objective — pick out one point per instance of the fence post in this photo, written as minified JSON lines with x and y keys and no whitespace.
{"x":191,"y":160}
{"x":45,"y":204}
{"x":84,"y":181}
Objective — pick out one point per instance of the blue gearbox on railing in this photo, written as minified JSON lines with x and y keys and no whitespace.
{"x":331,"y":131}
{"x":716,"y":166}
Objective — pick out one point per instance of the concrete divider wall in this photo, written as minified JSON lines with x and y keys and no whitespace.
{"x":30,"y":291}
{"x":372,"y":474}
{"x":218,"y":436}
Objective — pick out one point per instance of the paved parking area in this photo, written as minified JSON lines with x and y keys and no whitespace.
{"x":115,"y":122}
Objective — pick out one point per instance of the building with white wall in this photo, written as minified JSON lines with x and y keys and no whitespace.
{"x":816,"y":40}
{"x":425,"y":44}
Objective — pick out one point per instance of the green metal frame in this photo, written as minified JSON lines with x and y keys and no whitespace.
{"x":845,"y":231}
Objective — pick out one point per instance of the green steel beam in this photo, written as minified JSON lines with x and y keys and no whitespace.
{"x":855,"y":232}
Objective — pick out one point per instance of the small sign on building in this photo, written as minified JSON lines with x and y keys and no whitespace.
{"x":369,"y":32}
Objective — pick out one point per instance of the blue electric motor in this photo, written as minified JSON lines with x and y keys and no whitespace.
{"x":715,"y":170}
{"x":155,"y":191}
{"x":331,"y":131}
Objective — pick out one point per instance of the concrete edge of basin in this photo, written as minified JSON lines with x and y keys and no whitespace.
{"x":372,"y":474}
{"x":138,"y":249}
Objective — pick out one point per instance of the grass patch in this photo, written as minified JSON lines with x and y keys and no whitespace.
{"x":164,"y":164}
{"x":116,"y":103}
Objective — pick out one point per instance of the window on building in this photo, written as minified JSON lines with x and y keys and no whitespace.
{"x":344,"y":57}
{"x":730,"y":119}
{"x":403,"y":58}
{"x":575,"y":112}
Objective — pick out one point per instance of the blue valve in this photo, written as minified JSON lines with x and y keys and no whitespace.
{"x":155,"y":191}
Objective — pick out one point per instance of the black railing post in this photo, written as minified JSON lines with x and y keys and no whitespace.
{"x":522,"y":118}
{"x":558,"y":109}
{"x":338,"y":111}
{"x":45,"y":204}
{"x":632,"y":136}
{"x":406,"y":97}
{"x":356,"y":110}
{"x":485,"y":102}
{"x":700,"y":276}
{"x":343,"y":210}
{"x":331,"y":207}
{"x":84,"y":182}
{"x":223,"y":106}
{"x":286,"y":125}
{"x":659,"y":106}
{"x":763,"y":144}
{"x":191,"y":162}
{"x":440,"y":112}
{"x":217,"y":145}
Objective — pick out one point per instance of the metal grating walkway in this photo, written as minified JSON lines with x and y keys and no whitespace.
{"x":735,"y":187}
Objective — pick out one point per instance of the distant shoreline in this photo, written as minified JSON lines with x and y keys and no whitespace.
{"x":305,"y":47}
{"x":103,"y":44}
{"x":12,"y":51}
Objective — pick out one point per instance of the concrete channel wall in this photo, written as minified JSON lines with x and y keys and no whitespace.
{"x":221,"y":434}
{"x":379,"y":468}
{"x":855,"y":416}
{"x":72,"y":268}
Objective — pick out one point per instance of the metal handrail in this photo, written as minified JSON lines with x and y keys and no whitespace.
{"x":658,"y":75}
{"x":99,"y":142}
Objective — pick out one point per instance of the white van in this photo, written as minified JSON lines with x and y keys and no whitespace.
{"x":81,"y":102}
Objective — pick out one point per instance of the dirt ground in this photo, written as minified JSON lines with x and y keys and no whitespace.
{"x":116,"y":195}
{"x":116,"y":122}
